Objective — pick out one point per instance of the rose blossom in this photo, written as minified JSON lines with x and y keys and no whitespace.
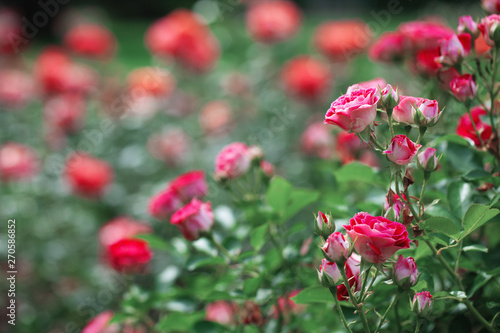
{"x":130,"y":256}
{"x":273,"y":21}
{"x":489,"y":28}
{"x":422,"y":303}
{"x":389,"y":47}
{"x":454,"y":49}
{"x":424,"y":34}
{"x":376,"y":83}
{"x":336,"y":248}
{"x":222,"y":312}
{"x":355,"y":110}
{"x":193,"y":218}
{"x":162,"y":205}
{"x":405,"y":272}
{"x":398,"y":205}
{"x":491,"y":6}
{"x":90,"y":40}
{"x":100,"y":324}
{"x":306,"y":78}
{"x":17,"y":162}
{"x":150,"y":81}
{"x":466,"y":130}
{"x":427,"y":160}
{"x":376,"y":238}
{"x":352,"y":268}
{"x":466,"y":25}
{"x":267,"y":168}
{"x":216,"y":118}
{"x":415,"y":110}
{"x":17,"y":89}
{"x":317,"y":140}
{"x":232,"y":161}
{"x":86,"y":175}
{"x":121,"y":228}
{"x":463,"y":87}
{"x":401,"y":150}
{"x":65,"y":112}
{"x":424,"y":63}
{"x":190,"y":185}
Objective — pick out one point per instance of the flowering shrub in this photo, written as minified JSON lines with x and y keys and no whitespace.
{"x":177,"y":196}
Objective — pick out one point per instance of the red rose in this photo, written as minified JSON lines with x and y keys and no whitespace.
{"x":193,"y":218}
{"x":164,"y":204}
{"x":121,"y":228}
{"x":376,"y":238}
{"x":130,"y":256}
{"x":190,"y":185}
{"x":273,"y":21}
{"x":90,"y":40}
{"x":463,"y":87}
{"x":87,"y":175}
{"x":389,"y":47}
{"x":401,"y":150}
{"x":466,"y":130}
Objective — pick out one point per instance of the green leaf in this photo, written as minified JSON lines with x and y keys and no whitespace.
{"x":452,"y":138}
{"x":476,"y":216}
{"x":457,"y":194}
{"x":200,"y":261}
{"x":258,"y":236}
{"x":209,"y":327}
{"x":421,"y":285}
{"x":278,"y":194}
{"x":155,"y":242}
{"x":250,"y":286}
{"x":179,"y":321}
{"x":480,"y":280}
{"x":356,"y":172}
{"x":315,"y":294}
{"x":119,"y":318}
{"x":441,"y":225}
{"x":299,"y":199}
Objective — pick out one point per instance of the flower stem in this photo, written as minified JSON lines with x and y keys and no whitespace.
{"x":393,"y":303}
{"x":376,"y":143}
{"x":220,"y":248}
{"x":396,"y":182}
{"x":333,"y":290}
{"x":421,"y":200}
{"x":357,"y":306}
{"x":419,"y":323}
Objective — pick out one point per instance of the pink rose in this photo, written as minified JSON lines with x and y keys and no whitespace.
{"x":232,"y":161}
{"x":401,"y":150}
{"x":389,"y":47}
{"x":193,"y":218}
{"x":325,"y":226}
{"x":463,"y":87}
{"x":427,"y":160}
{"x":100,"y":323}
{"x":454,"y":49}
{"x":121,"y":228}
{"x":223,"y":312}
{"x":414,"y":110}
{"x":355,"y":110}
{"x":317,"y":140}
{"x":190,"y":185}
{"x":424,"y":34}
{"x":404,"y":112}
{"x":398,"y":205}
{"x":491,"y":6}
{"x":489,"y":28}
{"x":405,"y":272}
{"x":286,"y":305}
{"x":336,"y":248}
{"x":466,"y":25}
{"x":17,"y":162}
{"x":162,"y":205}
{"x":86,"y":175}
{"x":376,"y":238}
{"x":422,"y":303}
{"x":329,"y":271}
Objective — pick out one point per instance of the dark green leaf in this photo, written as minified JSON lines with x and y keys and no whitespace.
{"x":299,"y":199}
{"x":250,"y":286}
{"x":258,"y":236}
{"x":480,"y":280}
{"x":278,"y":194}
{"x":315,"y":294}
{"x":442,"y":225}
{"x":209,"y":327}
{"x":155,"y":242}
{"x":356,"y":172}
{"x":476,"y":216}
{"x":199,"y":261}
{"x":179,"y":321}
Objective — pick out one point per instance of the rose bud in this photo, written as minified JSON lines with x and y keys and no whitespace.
{"x":454,"y":49}
{"x":422,"y":303}
{"x":336,"y":248}
{"x":162,"y":205}
{"x":222,"y":312}
{"x":401,"y":150}
{"x":389,"y":47}
{"x":100,"y":324}
{"x":121,"y":228}
{"x":466,"y":130}
{"x":130,"y":256}
{"x":405,"y":272}
{"x":463,"y":87}
{"x":491,"y":6}
{"x":267,"y":168}
{"x":190,"y":185}
{"x":340,"y":41}
{"x":490,"y":29}
{"x":427,"y":160}
{"x":466,"y":25}
{"x":17,"y":162}
{"x":324,"y":225}
{"x":273,"y":21}
{"x":330,"y":276}
{"x":427,"y":112}
{"x":389,"y":98}
{"x":354,"y":111}
{"x":90,"y":40}
{"x":86,"y":175}
{"x":376,"y":238}
{"x":232,"y":161}
{"x":398,"y":205}
{"x":306,"y":78}
{"x":193,"y":218}
{"x":317,"y":140}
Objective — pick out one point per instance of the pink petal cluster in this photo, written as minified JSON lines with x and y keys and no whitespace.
{"x":17,"y":162}
{"x":466,"y":25}
{"x":489,"y":28}
{"x":336,"y":248}
{"x":422,"y":303}
{"x":317,"y":140}
{"x":415,"y":110}
{"x":463,"y":87}
{"x":454,"y":49}
{"x":398,"y":205}
{"x":376,"y":238}
{"x":405,"y":272}
{"x":352,"y":268}
{"x":491,"y":6}
{"x":90,"y":40}
{"x":232,"y":161}
{"x":193,"y":218}
{"x":401,"y":150}
{"x":355,"y":110}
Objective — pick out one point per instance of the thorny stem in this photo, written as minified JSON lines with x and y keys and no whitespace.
{"x":363,"y":284}
{"x":474,"y":126}
{"x":421,"y":200}
{"x":376,"y":143}
{"x":493,"y":93}
{"x":393,"y":303}
{"x":220,"y":248}
{"x":353,"y":300}
{"x":333,"y":291}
